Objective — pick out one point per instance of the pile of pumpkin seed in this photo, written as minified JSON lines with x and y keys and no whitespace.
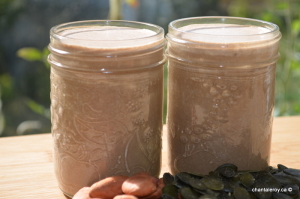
{"x":226,"y":182}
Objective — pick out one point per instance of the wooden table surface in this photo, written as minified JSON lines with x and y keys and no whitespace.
{"x":26,"y":162}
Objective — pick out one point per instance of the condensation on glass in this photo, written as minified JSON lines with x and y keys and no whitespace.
{"x":220,"y":92}
{"x":106,"y":100}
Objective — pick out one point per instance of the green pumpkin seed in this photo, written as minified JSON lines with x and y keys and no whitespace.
{"x":241,"y":193}
{"x":280,"y":196}
{"x":168,"y":178}
{"x":227,"y":170}
{"x":178,"y":183}
{"x":199,"y":191}
{"x":230,"y":183}
{"x":293,"y":172}
{"x":214,"y":174}
{"x":213,"y":183}
{"x":269,"y":179}
{"x":226,"y":182}
{"x":261,"y":194}
{"x":170,"y":192}
{"x":272,"y":170}
{"x":247,"y":179}
{"x":225,"y":195}
{"x":228,"y":187}
{"x":281,"y":167}
{"x":206,"y":196}
{"x":196,"y":175}
{"x":197,"y":184}
{"x":210,"y":195}
{"x":184,"y":177}
{"x":188,"y":193}
{"x":252,"y":196}
{"x":293,"y":190}
{"x":285,"y":179}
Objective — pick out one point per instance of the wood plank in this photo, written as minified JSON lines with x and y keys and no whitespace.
{"x":26,"y":162}
{"x":286,"y":141}
{"x":26,"y":168}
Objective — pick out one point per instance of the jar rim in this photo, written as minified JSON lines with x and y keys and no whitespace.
{"x":231,"y":37}
{"x":226,"y":39}
{"x":61,"y":27}
{"x":105,"y":44}
{"x":223,"y":19}
{"x":81,"y":45}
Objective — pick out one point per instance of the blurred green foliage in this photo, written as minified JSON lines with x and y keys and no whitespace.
{"x":33,"y":54}
{"x":286,"y":14}
{"x":9,"y":10}
{"x":288,"y":70}
{"x":38,"y":108}
{"x":6,"y":83}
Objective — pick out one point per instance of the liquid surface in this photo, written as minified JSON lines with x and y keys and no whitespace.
{"x":223,"y":33}
{"x":102,"y":37}
{"x":109,"y":33}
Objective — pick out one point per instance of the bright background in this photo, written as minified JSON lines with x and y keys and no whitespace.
{"x":24,"y":36}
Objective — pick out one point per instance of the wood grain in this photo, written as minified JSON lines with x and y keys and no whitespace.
{"x":286,"y":141}
{"x":26,"y":162}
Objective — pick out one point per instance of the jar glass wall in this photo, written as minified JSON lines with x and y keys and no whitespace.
{"x":106,"y":100}
{"x":221,"y":92}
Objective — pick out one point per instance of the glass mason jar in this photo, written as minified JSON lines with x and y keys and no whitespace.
{"x":221,"y":92}
{"x":106,"y":100}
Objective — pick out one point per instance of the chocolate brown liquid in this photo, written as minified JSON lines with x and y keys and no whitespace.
{"x":221,"y":98}
{"x":106,"y":111}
